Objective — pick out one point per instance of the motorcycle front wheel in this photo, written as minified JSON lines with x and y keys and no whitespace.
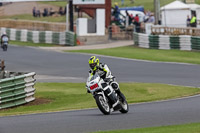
{"x":102,"y":104}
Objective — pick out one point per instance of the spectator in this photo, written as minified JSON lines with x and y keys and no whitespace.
{"x":51,"y":12}
{"x":193,"y":21}
{"x":38,"y":13}
{"x":65,"y":10}
{"x":188,"y":21}
{"x":147,"y":16}
{"x":151,"y":19}
{"x":60,"y":11}
{"x":136,"y":19}
{"x":45,"y":13}
{"x":129,"y":17}
{"x":34,"y":11}
{"x":136,"y":23}
{"x":116,"y":11}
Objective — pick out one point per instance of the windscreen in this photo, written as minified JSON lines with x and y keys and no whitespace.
{"x":94,"y":77}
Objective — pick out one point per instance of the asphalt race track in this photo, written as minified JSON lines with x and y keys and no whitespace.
{"x":71,"y":67}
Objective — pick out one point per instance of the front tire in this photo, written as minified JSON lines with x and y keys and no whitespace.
{"x":102,"y":104}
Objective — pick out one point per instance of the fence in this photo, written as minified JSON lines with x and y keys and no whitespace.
{"x":61,"y":38}
{"x":33,"y":25}
{"x":182,"y":42}
{"x":175,"y":31}
{"x":120,"y":32}
{"x":1,"y":11}
{"x":16,"y":89}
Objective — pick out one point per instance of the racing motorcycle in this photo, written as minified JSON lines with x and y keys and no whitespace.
{"x":106,"y":98}
{"x":4,"y":44}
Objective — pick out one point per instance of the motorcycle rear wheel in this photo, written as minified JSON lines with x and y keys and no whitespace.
{"x":102,"y":104}
{"x":4,"y":47}
{"x":124,"y":105}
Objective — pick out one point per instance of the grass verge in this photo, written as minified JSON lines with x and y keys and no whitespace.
{"x":30,"y":17}
{"x":186,"y":128}
{"x":55,"y":3}
{"x":32,"y":44}
{"x":70,"y":96}
{"x":148,"y":5}
{"x":148,"y":54}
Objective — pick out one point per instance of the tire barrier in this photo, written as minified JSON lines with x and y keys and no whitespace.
{"x":16,"y":89}
{"x":50,"y":37}
{"x":182,"y":42}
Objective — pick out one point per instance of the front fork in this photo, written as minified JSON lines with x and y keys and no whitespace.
{"x":101,"y":93}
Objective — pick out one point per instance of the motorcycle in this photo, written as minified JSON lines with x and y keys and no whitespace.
{"x":4,"y":44}
{"x":105,"y":96}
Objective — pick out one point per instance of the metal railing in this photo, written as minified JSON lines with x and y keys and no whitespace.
{"x":175,"y":31}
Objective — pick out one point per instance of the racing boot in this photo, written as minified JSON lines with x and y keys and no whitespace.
{"x":115,"y":86}
{"x":123,"y":98}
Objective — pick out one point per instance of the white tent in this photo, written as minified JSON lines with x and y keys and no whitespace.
{"x":196,"y":8}
{"x":175,"y":14}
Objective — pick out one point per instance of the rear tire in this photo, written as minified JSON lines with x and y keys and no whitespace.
{"x":124,"y":105}
{"x":102,"y":104}
{"x":4,"y":47}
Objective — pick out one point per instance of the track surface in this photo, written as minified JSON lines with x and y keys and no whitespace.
{"x":70,"y":67}
{"x":83,"y":121}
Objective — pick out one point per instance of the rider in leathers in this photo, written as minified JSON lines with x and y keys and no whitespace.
{"x":105,"y":73}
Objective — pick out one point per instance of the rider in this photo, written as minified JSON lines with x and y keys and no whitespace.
{"x":105,"y":73}
{"x":4,"y":37}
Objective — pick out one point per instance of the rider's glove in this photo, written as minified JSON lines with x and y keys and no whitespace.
{"x":88,"y":91}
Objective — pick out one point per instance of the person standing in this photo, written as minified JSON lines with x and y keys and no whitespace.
{"x":136,"y":23}
{"x":151,"y":19}
{"x":188,"y":21}
{"x":34,"y":11}
{"x":116,"y":11}
{"x":193,"y":21}
{"x":136,"y":19}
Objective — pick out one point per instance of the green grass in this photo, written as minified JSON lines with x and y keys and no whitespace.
{"x":70,"y":96}
{"x":186,"y":128}
{"x":32,"y":44}
{"x":148,"y":4}
{"x":30,"y":17}
{"x":55,"y":3}
{"x":148,"y":54}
